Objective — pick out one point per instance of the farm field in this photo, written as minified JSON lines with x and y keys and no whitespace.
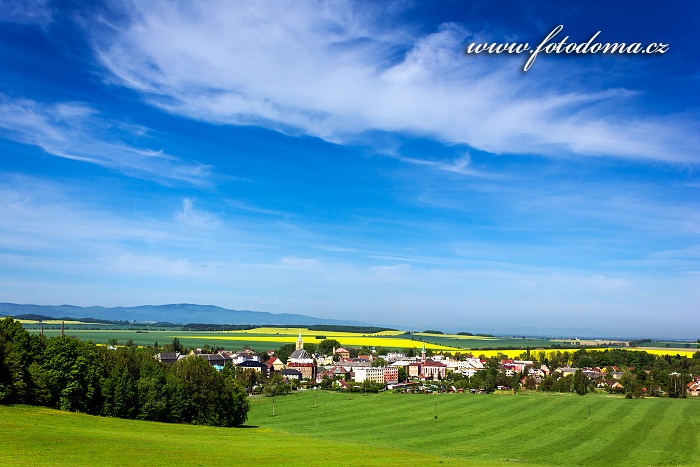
{"x":262,"y":339}
{"x":266,"y":338}
{"x":323,"y":428}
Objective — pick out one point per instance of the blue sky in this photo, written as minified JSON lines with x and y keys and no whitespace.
{"x":347,"y":160}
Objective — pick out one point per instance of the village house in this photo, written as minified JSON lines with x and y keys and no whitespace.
{"x":339,"y":371}
{"x":307,"y":370}
{"x":342,"y":353}
{"x":470,"y":366}
{"x":216,"y":360}
{"x":168,"y":358}
{"x":254,"y":365}
{"x":395,"y":356}
{"x":353,"y":363}
{"x":274,"y":364}
{"x":530,"y":382}
{"x":290,"y":374}
{"x":415,"y":370}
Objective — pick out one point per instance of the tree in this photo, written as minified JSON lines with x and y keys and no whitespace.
{"x":676,"y":387}
{"x":379,"y":362}
{"x":403,"y":374}
{"x":326,"y":346}
{"x":547,"y":384}
{"x":214,"y":400}
{"x":153,"y":397}
{"x":487,"y":378}
{"x":120,"y":384}
{"x":530,"y":382}
{"x":326,"y":383}
{"x":580,"y":382}
{"x":72,"y":370}
{"x":19,"y":351}
{"x":631,"y":385}
{"x":285,"y":351}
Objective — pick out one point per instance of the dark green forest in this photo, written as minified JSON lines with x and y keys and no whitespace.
{"x":68,"y":374}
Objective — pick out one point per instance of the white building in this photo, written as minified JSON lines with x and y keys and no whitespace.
{"x":379,"y":375}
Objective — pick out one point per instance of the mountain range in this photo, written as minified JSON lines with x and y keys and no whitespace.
{"x":179,"y":313}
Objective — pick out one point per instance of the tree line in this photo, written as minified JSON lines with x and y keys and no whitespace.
{"x":68,"y":374}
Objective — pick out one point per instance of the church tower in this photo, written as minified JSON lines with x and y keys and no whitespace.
{"x":300,"y":343}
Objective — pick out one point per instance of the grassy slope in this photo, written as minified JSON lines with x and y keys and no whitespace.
{"x":31,"y":436}
{"x":529,"y":429}
{"x":331,"y":428}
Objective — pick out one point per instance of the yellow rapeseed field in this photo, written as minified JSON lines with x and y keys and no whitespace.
{"x":49,"y":321}
{"x":346,"y":339}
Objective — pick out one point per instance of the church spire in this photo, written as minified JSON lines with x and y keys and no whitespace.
{"x":300,"y":342}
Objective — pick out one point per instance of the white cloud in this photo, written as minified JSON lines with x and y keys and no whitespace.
{"x":325,"y":69}
{"x":74,"y":130}
{"x":190,"y":216}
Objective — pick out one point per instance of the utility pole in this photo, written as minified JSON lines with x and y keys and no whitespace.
{"x":273,"y":406}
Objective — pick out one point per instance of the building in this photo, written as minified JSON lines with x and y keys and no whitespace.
{"x":307,"y":370}
{"x":254,"y":365}
{"x":168,"y":357}
{"x":290,"y":374}
{"x":216,"y":360}
{"x":433,"y":370}
{"x":342,"y":353}
{"x":415,"y":369}
{"x":378,"y":375}
{"x":300,"y":356}
{"x":274,"y":364}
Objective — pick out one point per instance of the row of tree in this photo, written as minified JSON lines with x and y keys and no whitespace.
{"x":68,"y":374}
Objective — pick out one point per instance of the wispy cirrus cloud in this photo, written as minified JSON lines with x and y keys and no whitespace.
{"x":346,"y":73}
{"x":77,"y":131}
{"x":35,"y":12}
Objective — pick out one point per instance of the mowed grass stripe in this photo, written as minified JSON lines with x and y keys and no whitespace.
{"x":574,"y":429}
{"x":519,"y":418}
{"x":530,"y":429}
{"x":615,"y":440}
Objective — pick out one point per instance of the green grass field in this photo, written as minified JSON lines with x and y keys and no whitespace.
{"x":322,"y":428}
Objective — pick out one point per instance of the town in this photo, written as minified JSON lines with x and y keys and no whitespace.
{"x":339,"y":368}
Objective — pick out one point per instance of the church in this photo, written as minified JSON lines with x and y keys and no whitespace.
{"x":301,"y":361}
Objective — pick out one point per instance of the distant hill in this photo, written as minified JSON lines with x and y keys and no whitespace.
{"x":181,"y":313}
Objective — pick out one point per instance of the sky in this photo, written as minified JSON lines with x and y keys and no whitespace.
{"x":348,"y":160}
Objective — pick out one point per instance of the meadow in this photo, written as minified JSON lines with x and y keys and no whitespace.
{"x":322,"y":428}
